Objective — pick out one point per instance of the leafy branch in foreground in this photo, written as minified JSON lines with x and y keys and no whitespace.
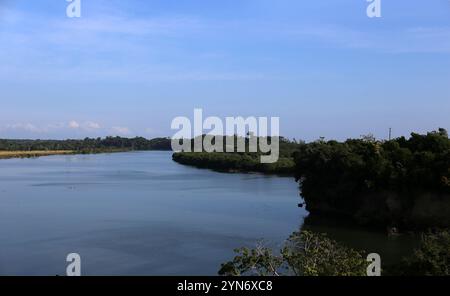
{"x":431,"y":258}
{"x":305,"y":253}
{"x":311,"y":254}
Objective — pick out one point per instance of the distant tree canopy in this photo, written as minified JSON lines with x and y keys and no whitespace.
{"x":87,"y":145}
{"x":402,"y":182}
{"x":242,"y":161}
{"x":431,"y":258}
{"x":235,"y":162}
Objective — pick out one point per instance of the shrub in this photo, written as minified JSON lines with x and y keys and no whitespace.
{"x":306,"y":253}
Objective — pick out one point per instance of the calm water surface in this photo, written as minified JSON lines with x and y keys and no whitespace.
{"x":135,"y":213}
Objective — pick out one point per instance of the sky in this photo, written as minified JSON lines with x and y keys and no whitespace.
{"x":128,"y":68}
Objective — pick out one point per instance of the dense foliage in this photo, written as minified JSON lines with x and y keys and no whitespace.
{"x":229,"y":162}
{"x":242,"y":162}
{"x":311,"y":254}
{"x":87,"y":145}
{"x":432,"y":258}
{"x":402,"y":182}
{"x":305,"y":253}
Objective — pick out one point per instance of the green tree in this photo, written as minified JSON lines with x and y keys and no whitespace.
{"x":431,"y":258}
{"x":305,"y":254}
{"x":402,"y":182}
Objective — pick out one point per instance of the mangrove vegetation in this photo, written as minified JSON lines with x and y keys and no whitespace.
{"x":244,"y":162}
{"x":403,"y":183}
{"x":87,"y":145}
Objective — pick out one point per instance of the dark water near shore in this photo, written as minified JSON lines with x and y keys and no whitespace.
{"x":135,"y":213}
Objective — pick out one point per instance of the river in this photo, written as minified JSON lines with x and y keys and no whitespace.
{"x":136,"y":213}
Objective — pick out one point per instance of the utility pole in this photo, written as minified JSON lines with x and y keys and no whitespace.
{"x":390,"y":133}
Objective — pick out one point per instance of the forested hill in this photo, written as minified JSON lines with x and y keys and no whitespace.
{"x":87,"y":144}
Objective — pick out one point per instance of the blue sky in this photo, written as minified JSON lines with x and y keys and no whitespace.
{"x":129,"y":67}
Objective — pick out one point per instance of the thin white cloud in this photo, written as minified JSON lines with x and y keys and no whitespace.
{"x":117,"y":24}
{"x":28,"y":127}
{"x":25,"y":41}
{"x":91,"y":125}
{"x":31,"y":128}
{"x":74,"y":125}
{"x":87,"y":126}
{"x":121,"y":130}
{"x":391,"y":40}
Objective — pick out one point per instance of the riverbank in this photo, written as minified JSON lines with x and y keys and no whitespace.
{"x":31,"y":154}
{"x":235,"y":163}
{"x":17,"y":148}
{"x":401,"y":183}
{"x":41,"y":153}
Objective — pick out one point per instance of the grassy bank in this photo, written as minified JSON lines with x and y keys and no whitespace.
{"x":39,"y":153}
{"x":22,"y":148}
{"x":29,"y":154}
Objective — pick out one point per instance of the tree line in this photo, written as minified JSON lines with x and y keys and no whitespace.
{"x":87,"y":144}
{"x":401,"y":183}
{"x":242,"y":161}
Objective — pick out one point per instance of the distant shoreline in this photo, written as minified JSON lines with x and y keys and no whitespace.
{"x":32,"y":154}
{"x":244,"y":163}
{"x":42,"y":153}
{"x":10,"y":148}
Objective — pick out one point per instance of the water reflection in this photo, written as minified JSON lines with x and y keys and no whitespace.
{"x":135,"y":214}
